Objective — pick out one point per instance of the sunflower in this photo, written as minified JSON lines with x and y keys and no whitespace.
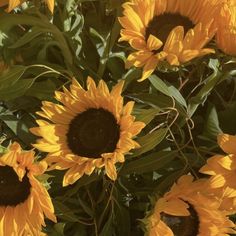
{"x":23,"y":199}
{"x":186,"y":211}
{"x":15,"y":3}
{"x":91,"y":129}
{"x":166,"y":30}
{"x":222,"y":169}
{"x":226,"y":27}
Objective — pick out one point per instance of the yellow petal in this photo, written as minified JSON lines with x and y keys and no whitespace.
{"x":73,"y":174}
{"x":138,"y":44}
{"x":50,"y":4}
{"x":110,"y":169}
{"x":173,"y":59}
{"x":227,"y":143}
{"x":13,"y":4}
{"x":217,"y":181}
{"x":175,"y":36}
{"x":149,"y":67}
{"x":176,"y":207}
{"x":153,"y":43}
{"x":162,"y":229}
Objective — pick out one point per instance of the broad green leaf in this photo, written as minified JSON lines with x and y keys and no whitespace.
{"x":44,"y":90}
{"x":29,"y":36}
{"x":11,"y":76}
{"x":146,"y":115}
{"x":149,"y":141}
{"x":64,"y":212}
{"x":85,"y":207}
{"x":59,"y":229}
{"x":85,"y":180}
{"x":108,"y":227}
{"x":154,"y":100}
{"x":16,"y":90}
{"x":227,"y":118}
{"x":151,"y":162}
{"x":177,"y":95}
{"x":122,"y":216}
{"x":3,"y":149}
{"x":210,"y":82}
{"x":159,"y":85}
{"x":131,"y":75}
{"x":211,"y":126}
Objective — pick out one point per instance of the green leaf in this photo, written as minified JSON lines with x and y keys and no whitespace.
{"x":131,"y":75}
{"x":211,"y":126}
{"x":59,"y":229}
{"x":64,"y":212}
{"x":122,"y":219}
{"x":151,"y":162}
{"x":16,"y":90}
{"x":149,"y":141}
{"x":11,"y":76}
{"x":146,"y":115}
{"x":44,"y":90}
{"x":108,"y":227}
{"x":85,"y":207}
{"x":177,"y":95}
{"x":19,"y":126}
{"x":210,"y":82}
{"x":159,"y":85}
{"x":29,"y":36}
{"x":154,"y":100}
{"x":85,"y":180}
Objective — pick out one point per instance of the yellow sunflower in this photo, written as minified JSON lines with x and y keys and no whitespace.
{"x":172,"y":30}
{"x":23,"y":199}
{"x":186,"y":211}
{"x":226,"y":27}
{"x":15,"y":3}
{"x":91,"y":129}
{"x":222,"y":169}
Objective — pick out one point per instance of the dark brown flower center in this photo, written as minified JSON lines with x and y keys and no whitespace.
{"x":12,"y":190}
{"x":160,"y":26}
{"x":93,"y":132}
{"x":183,"y":225}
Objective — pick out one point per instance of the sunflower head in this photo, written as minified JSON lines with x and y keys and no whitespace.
{"x":12,"y":4}
{"x":89,"y":129}
{"x":187,"y":211}
{"x":222,"y":169}
{"x":23,"y":199}
{"x":166,"y":30}
{"x":226,"y":27}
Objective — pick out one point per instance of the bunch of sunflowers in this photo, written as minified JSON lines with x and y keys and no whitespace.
{"x":117,"y":118}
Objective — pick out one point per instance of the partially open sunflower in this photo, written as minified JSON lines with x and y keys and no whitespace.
{"x":91,"y":129}
{"x":222,"y":169}
{"x":175,"y":31}
{"x":226,"y":27}
{"x":186,"y":211}
{"x":15,"y":3}
{"x":23,"y":199}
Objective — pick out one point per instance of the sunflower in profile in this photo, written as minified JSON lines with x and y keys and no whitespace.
{"x":166,"y":30}
{"x":89,"y":129}
{"x":15,"y":3}
{"x":23,"y":199}
{"x":186,"y":211}
{"x":226,"y":27}
{"x":222,"y":169}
